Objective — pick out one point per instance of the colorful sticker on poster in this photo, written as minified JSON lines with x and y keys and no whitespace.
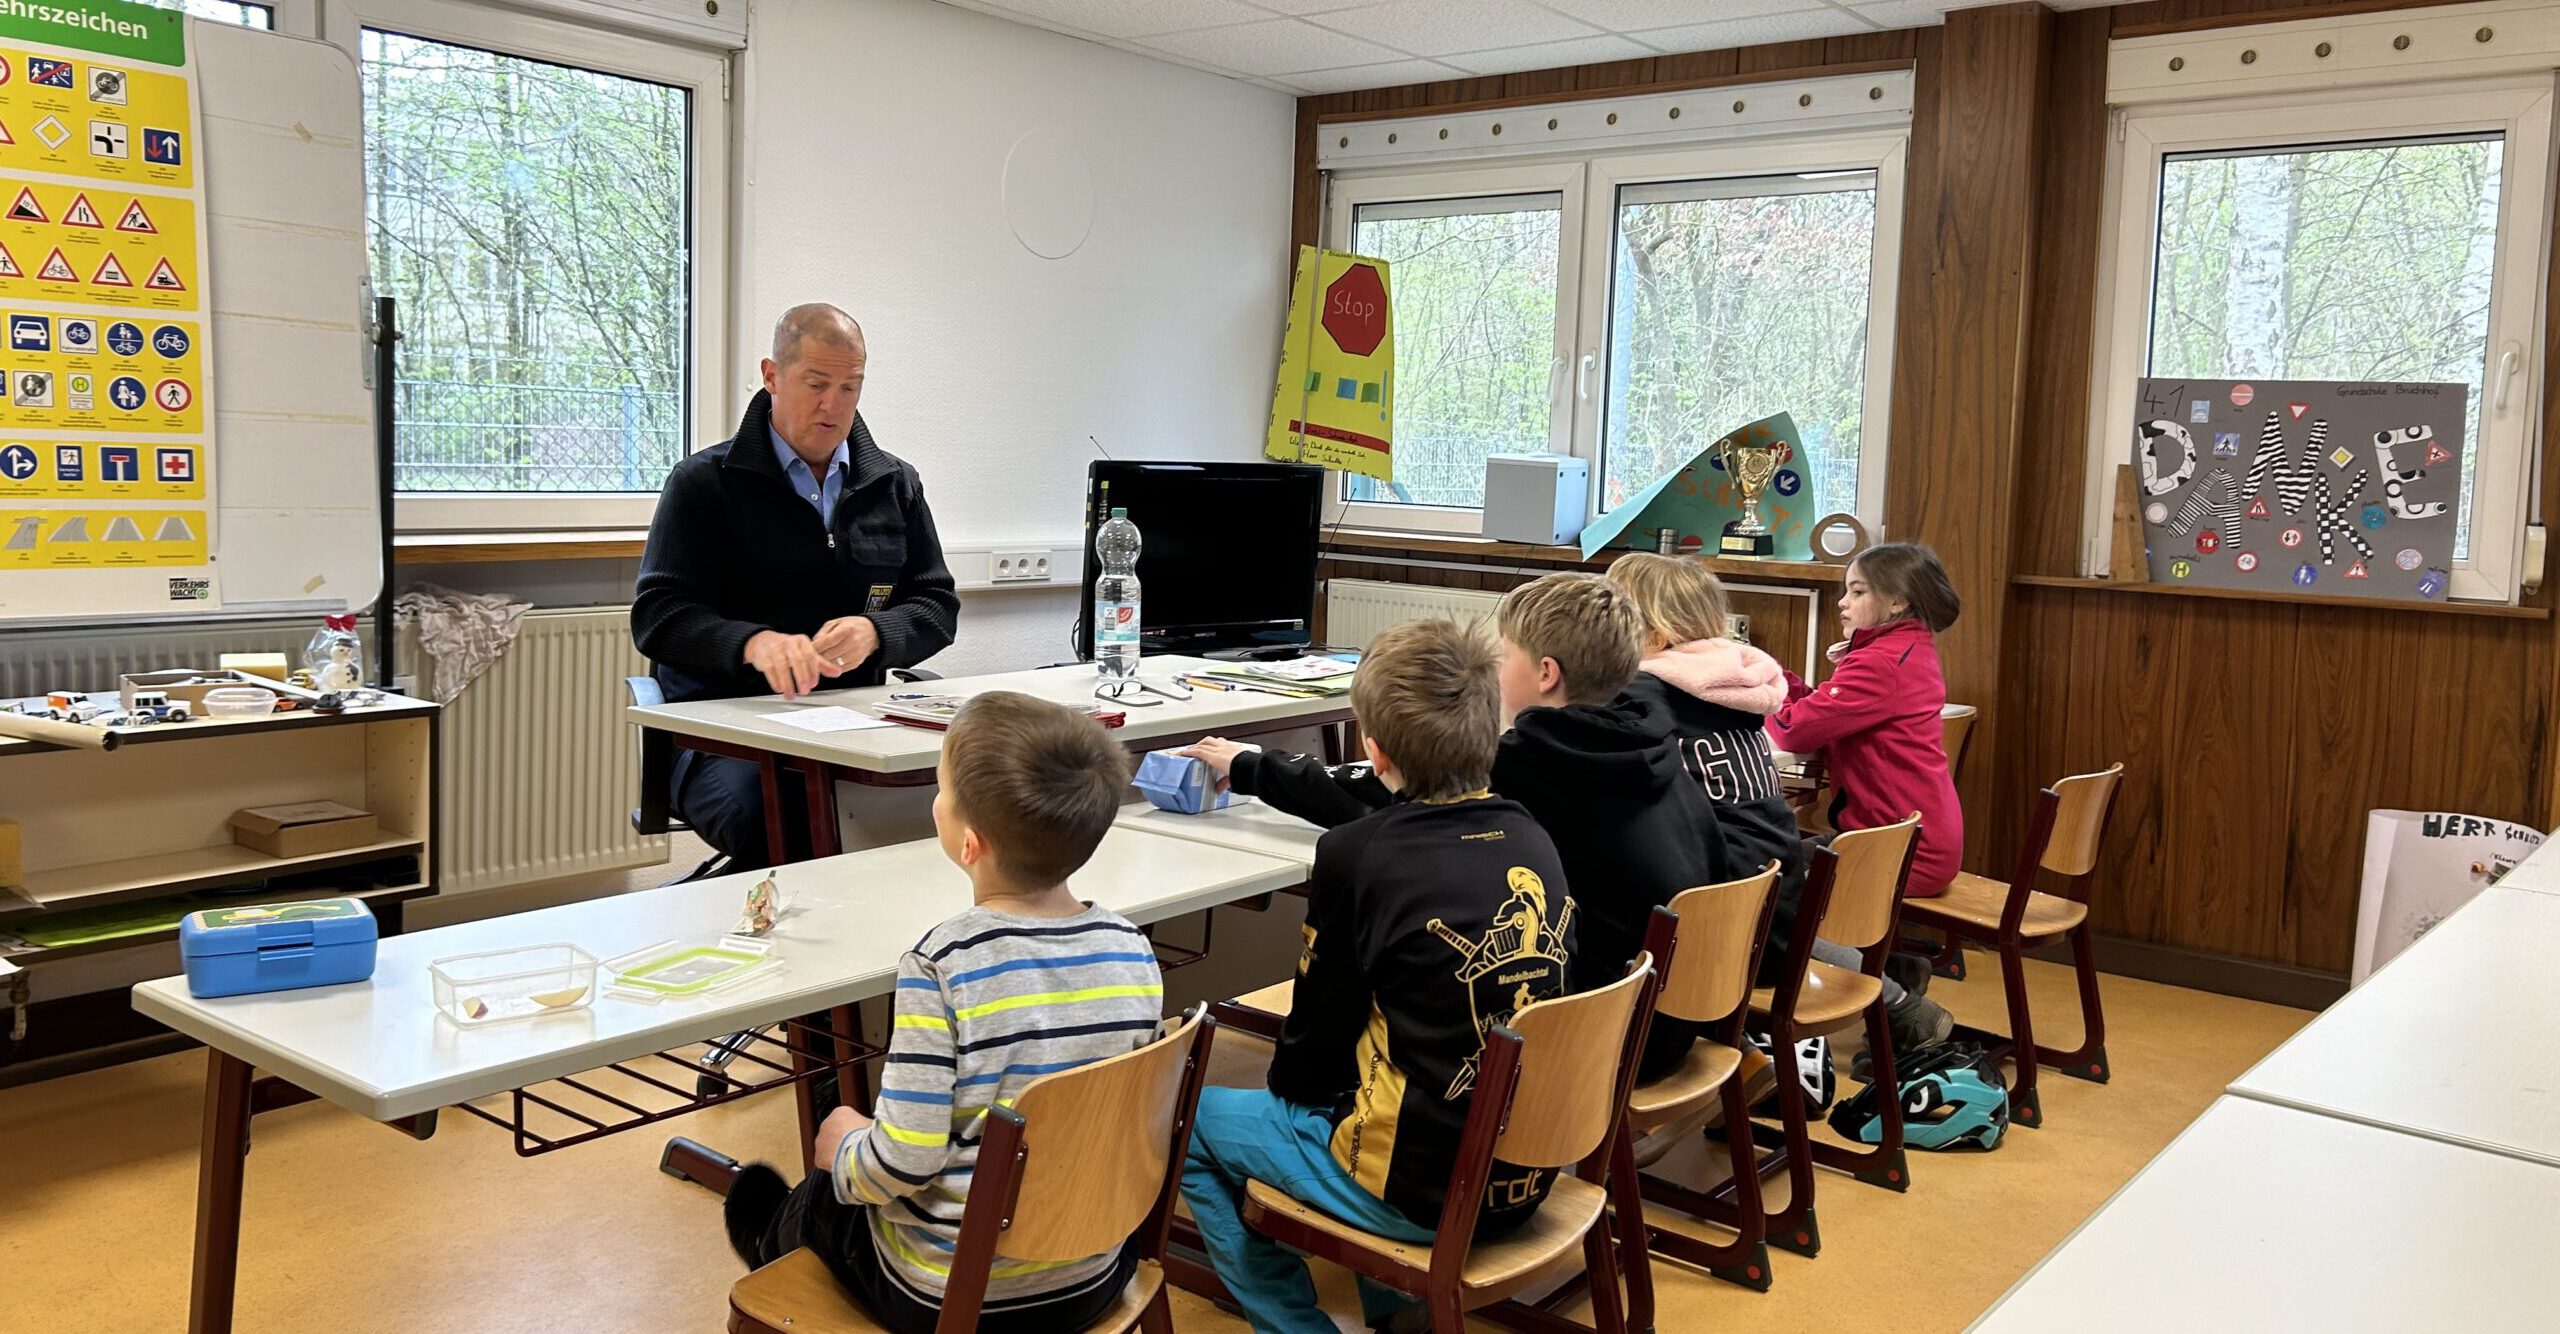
{"x":80,"y":539}
{"x":1334,"y":402}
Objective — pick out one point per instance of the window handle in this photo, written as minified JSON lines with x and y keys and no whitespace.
{"x":1582,"y":385}
{"x":2509,"y":362}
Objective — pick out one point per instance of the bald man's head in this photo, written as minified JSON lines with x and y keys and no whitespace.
{"x":815,"y":377}
{"x":815,"y":323}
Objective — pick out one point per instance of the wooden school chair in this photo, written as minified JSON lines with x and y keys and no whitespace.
{"x":1852,"y":897}
{"x":1081,"y":1161}
{"x":2063,"y":836}
{"x":1708,"y":942}
{"x":1550,"y":1091}
{"x":1955,"y":733}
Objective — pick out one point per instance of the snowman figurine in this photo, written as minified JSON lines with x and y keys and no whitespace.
{"x":340,"y":672}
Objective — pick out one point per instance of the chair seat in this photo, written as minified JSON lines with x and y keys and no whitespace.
{"x":1833,"y":999}
{"x":1974,"y":904}
{"x":796,"y":1295}
{"x":1495,"y":1269}
{"x":1703,"y":1071}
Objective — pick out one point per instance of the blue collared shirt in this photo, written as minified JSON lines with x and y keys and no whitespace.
{"x":795,"y":469}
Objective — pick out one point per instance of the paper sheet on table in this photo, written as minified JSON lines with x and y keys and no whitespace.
{"x":827,"y":718}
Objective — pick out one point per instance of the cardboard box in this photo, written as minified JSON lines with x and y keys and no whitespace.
{"x":184,"y":684}
{"x":302,"y":829}
{"x":269,"y":665}
{"x":13,"y":860}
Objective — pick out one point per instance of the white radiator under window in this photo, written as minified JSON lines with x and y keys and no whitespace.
{"x":1355,"y":610}
{"x":540,"y":770}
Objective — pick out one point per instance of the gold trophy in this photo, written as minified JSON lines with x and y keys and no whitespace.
{"x":1751,"y":463}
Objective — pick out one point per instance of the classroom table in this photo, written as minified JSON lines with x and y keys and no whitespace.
{"x":1244,"y":824}
{"x":381,"y":1050}
{"x":2451,"y":1040}
{"x":904,"y":756}
{"x":2262,"y":1217}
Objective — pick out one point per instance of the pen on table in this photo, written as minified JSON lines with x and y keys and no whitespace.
{"x":1202,"y":683}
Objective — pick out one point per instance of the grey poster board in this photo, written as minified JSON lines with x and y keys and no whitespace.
{"x":2330,"y":487}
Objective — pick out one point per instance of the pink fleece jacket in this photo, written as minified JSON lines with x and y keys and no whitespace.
{"x":1723,"y":671}
{"x":1876,"y":722}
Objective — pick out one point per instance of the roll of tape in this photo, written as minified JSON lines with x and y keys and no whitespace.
{"x":1838,"y":537}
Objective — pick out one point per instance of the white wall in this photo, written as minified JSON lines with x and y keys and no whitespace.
{"x":873,"y":141}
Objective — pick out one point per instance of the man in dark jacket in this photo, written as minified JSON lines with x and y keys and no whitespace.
{"x":794,"y":555}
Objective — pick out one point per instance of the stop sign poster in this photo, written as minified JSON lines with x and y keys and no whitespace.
{"x":1335,"y":402}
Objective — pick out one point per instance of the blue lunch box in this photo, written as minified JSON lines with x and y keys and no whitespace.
{"x":1177,"y":784}
{"x":277,"y":946}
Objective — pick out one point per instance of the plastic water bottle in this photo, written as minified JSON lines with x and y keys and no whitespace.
{"x":1115,"y":599}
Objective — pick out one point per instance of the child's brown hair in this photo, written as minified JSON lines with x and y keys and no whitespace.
{"x":1680,"y":601}
{"x":1582,"y":621}
{"x":1427,"y":694}
{"x":1909,"y":573}
{"x":1039,"y":781}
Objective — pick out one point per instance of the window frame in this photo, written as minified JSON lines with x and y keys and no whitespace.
{"x":704,"y":74}
{"x":2145,"y":137}
{"x":1589,"y":183}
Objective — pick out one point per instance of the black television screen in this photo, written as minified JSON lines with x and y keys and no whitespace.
{"x":1227,"y":551}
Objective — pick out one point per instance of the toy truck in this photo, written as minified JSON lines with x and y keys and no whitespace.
{"x":155,"y":706}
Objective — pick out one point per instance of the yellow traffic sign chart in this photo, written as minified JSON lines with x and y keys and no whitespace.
{"x":97,"y":245}
{"x":100,"y":371}
{"x":66,"y":114}
{"x":64,"y":539}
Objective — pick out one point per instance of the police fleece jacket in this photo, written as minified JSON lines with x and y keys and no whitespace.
{"x":1605,"y":781}
{"x":1718,"y":694}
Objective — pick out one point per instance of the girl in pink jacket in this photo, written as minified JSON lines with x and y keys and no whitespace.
{"x":1876,"y":718}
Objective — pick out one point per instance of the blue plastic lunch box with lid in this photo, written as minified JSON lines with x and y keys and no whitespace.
{"x":277,"y":946}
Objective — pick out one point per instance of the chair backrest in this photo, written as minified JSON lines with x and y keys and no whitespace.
{"x":652,"y":815}
{"x":1866,"y":886}
{"x":1569,"y":1093}
{"x":1098,"y":1149}
{"x":1710,"y":969}
{"x":2080,"y":820}
{"x":1955,"y":732}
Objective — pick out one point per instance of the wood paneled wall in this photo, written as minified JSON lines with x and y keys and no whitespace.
{"x":2255,"y":734}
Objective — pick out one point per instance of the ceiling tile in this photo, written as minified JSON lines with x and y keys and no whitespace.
{"x":1275,"y":46}
{"x":1394,"y":73}
{"x":1133,"y":18}
{"x":1904,"y":13}
{"x":1301,"y":7}
{"x":1548,"y":55}
{"x":1437,"y":27}
{"x":1632,"y":15}
{"x":1752,"y":32}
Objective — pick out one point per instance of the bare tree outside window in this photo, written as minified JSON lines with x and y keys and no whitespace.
{"x":1474,"y":286}
{"x":1733,"y":300}
{"x":2350,"y":262}
{"x":531,"y":220}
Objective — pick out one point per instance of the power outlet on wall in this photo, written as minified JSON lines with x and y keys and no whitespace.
{"x":1021,"y":567}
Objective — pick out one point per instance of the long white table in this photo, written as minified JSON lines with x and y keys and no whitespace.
{"x":2453,"y":1039}
{"x":1244,"y":825}
{"x":2262,"y":1217}
{"x":381,"y":1050}
{"x":902,"y":756}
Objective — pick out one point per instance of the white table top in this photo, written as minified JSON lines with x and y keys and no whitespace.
{"x":381,"y":1048}
{"x":906,"y":749}
{"x":2266,"y":1218}
{"x":1245,"y":825}
{"x":2452,"y":1039}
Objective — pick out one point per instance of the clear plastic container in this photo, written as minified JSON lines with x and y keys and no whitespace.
{"x":491,"y":988}
{"x":239,"y":702}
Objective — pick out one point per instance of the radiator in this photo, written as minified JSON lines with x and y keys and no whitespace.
{"x":35,"y":661}
{"x":1355,"y":610}
{"x":540,"y":769}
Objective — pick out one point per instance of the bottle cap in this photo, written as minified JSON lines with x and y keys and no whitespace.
{"x":1119,"y":512}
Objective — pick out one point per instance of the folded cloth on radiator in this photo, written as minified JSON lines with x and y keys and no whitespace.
{"x":462,"y":634}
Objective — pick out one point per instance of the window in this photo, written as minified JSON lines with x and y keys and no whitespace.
{"x":1630,"y":307}
{"x":222,"y":11}
{"x":538,"y":201}
{"x":2383,"y":237}
{"x":1475,"y":306}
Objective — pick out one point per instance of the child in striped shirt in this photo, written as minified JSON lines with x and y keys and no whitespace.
{"x":1026,"y":981}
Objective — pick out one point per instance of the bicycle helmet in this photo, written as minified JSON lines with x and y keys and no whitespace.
{"x":1953,"y":1095}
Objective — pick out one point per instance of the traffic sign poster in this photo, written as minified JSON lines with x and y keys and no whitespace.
{"x":106,"y":421}
{"x":1335,"y":400}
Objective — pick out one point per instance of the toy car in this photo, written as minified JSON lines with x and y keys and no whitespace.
{"x":68,"y":706}
{"x":155,"y":706}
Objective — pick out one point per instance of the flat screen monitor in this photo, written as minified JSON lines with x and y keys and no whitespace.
{"x":1226,"y":556}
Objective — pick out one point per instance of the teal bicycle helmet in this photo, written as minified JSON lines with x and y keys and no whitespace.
{"x":1953,"y":1096}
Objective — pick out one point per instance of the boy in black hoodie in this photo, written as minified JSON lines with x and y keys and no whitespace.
{"x":1600,"y":771}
